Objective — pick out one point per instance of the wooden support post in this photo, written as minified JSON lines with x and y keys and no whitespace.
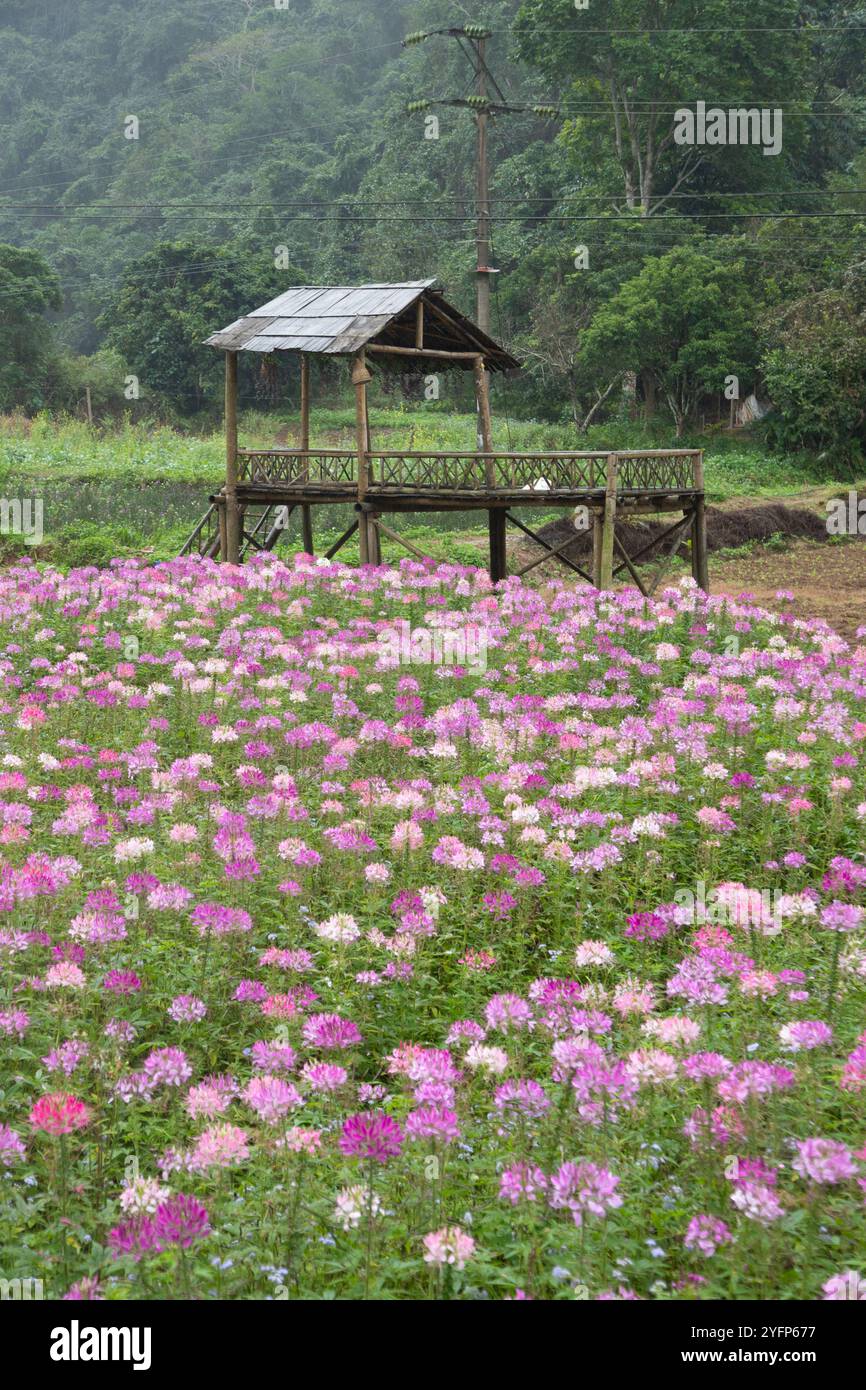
{"x":485,"y":423}
{"x":233,"y":520}
{"x":419,"y":324}
{"x":306,"y":510}
{"x":550,"y":551}
{"x":609,"y":523}
{"x":374,"y":542}
{"x":700,"y":564}
{"x":496,"y":516}
{"x":360,"y":378}
{"x":597,"y":519}
{"x":407,"y":545}
{"x":496,"y":529}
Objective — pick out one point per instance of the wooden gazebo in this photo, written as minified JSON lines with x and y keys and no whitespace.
{"x":411,"y":327}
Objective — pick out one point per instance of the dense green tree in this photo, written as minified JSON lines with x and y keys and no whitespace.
{"x":29,"y":289}
{"x":171,"y":300}
{"x":814,"y":367}
{"x":261,"y":127}
{"x":685,"y":319}
{"x":625,"y":68}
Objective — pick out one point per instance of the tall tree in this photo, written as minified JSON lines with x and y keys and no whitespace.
{"x":29,"y":289}
{"x":625,"y":67}
{"x":686,"y":319}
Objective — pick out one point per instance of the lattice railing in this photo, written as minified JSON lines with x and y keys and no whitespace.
{"x":550,"y":472}
{"x":658,"y":471}
{"x":647,"y":471}
{"x":291,"y":466}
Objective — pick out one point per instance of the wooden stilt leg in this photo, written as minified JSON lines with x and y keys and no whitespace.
{"x":374,"y":540}
{"x":224,"y":552}
{"x":232,"y":511}
{"x":700,"y":562}
{"x":496,"y":529}
{"x":608,"y":525}
{"x":360,"y":378}
{"x":597,"y":520}
{"x":307,"y":529}
{"x":306,"y":512}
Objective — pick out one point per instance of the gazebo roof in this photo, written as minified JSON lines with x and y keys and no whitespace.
{"x":343,"y":319}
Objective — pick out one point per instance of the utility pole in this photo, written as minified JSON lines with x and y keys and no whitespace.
{"x":472,"y":39}
{"x":482,"y":197}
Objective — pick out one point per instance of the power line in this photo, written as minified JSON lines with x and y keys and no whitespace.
{"x":273,"y":204}
{"x":350,"y":216}
{"x":804,"y":30}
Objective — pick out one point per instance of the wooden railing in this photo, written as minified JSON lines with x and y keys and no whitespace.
{"x":650,"y":471}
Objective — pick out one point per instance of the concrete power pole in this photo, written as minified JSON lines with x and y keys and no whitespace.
{"x":472,"y":39}
{"x":482,"y":197}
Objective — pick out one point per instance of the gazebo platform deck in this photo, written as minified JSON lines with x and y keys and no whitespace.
{"x":272,"y":483}
{"x":411,"y":327}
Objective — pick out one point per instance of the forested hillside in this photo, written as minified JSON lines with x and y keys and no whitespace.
{"x":174,"y":161}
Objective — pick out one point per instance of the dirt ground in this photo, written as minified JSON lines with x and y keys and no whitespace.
{"x":827,"y":581}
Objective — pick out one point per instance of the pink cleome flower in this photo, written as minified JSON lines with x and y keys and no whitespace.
{"x":375,"y":1136}
{"x":59,"y":1113}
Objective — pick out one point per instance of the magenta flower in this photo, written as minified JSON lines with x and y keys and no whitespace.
{"x":433,"y":1122}
{"x":330,"y":1032}
{"x":374,"y":1135}
{"x":584,"y":1188}
{"x":180,"y":1221}
{"x":134,"y":1237}
{"x":11,"y":1146}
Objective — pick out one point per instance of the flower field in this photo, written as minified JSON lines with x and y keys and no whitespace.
{"x":375,"y":934}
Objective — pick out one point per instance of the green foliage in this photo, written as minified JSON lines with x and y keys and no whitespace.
{"x":685,"y":320}
{"x":29,"y":289}
{"x":262,"y":128}
{"x":815,"y":370}
{"x":171,"y":300}
{"x":622,"y":81}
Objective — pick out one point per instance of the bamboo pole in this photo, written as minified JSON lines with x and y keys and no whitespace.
{"x":233,"y":523}
{"x":360,"y":377}
{"x":700,"y":564}
{"x":407,"y":545}
{"x":485,"y":422}
{"x":421,"y":352}
{"x":338,"y":545}
{"x":629,"y":566}
{"x":549,"y":551}
{"x":609,"y":523}
{"x":306,"y":510}
{"x":597,"y":519}
{"x":495,"y":515}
